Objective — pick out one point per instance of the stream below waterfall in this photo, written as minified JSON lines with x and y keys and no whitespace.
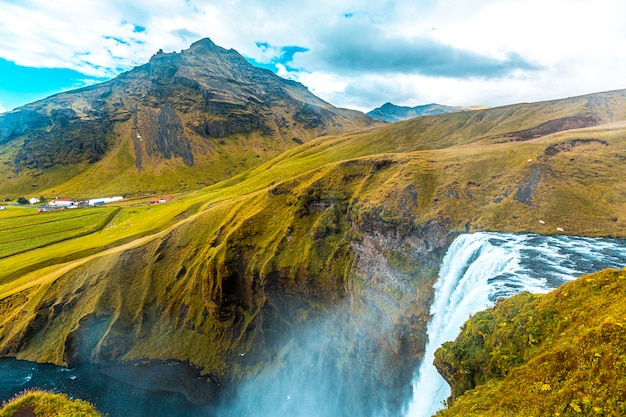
{"x":477,"y":269}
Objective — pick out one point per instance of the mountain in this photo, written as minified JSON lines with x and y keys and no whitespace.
{"x":543,"y":355}
{"x":181,"y":121}
{"x":320,"y":259}
{"x":389,"y":112}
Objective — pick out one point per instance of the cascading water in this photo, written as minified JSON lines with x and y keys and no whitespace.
{"x":479,"y":268}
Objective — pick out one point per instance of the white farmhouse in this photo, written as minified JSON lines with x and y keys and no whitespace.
{"x":64,"y":202}
{"x":104,"y":200}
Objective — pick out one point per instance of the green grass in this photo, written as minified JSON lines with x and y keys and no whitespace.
{"x":35,"y":230}
{"x":47,"y":404}
{"x":575,"y":196}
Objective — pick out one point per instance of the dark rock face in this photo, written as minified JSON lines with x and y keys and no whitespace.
{"x":553,"y":126}
{"x":396,"y":267}
{"x":312,"y":116}
{"x":65,"y":140}
{"x":224,"y":124}
{"x":527,"y":187}
{"x":566,"y":146}
{"x":16,"y":123}
{"x":165,"y":136}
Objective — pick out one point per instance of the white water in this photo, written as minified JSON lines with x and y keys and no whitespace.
{"x":479,"y":268}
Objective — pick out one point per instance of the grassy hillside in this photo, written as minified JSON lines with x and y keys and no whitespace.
{"x":355,"y":220}
{"x":543,"y":355}
{"x":45,"y":404}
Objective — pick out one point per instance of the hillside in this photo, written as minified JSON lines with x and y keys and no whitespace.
{"x":180,"y":122}
{"x":543,"y":355}
{"x":342,"y":234}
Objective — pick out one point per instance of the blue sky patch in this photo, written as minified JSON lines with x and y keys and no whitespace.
{"x":282,"y":55}
{"x":20,"y":85}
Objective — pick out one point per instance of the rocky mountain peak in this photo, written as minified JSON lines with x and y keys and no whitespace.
{"x":206,"y":45}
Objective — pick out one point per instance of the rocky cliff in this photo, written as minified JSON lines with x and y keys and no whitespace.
{"x":263,"y":283}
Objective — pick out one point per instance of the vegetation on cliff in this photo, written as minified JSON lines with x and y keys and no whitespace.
{"x":46,"y":404}
{"x":558,"y":354}
{"x":362,"y":216}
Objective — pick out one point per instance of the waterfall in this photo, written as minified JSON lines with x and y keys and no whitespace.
{"x":479,"y":268}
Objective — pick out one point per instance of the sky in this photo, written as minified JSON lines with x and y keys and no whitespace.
{"x":357,"y":54}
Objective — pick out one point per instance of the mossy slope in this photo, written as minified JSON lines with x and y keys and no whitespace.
{"x":46,"y":404}
{"x":562,"y":353}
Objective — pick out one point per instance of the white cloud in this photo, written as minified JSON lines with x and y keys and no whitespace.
{"x":2,"y":109}
{"x":573,"y":42}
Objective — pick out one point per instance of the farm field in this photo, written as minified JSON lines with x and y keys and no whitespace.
{"x":32,"y":241}
{"x":26,"y":229}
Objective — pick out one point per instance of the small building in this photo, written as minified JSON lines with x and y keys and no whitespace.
{"x":104,"y":200}
{"x":33,"y":200}
{"x":96,"y":201}
{"x":64,"y":202}
{"x":160,"y":199}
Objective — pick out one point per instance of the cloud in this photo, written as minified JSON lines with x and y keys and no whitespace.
{"x":277,"y":58}
{"x":2,"y":109}
{"x":95,"y":38}
{"x":344,"y":50}
{"x":186,"y":35}
{"x":359,"y":47}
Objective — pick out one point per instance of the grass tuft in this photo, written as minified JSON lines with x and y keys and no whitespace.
{"x":46,"y":404}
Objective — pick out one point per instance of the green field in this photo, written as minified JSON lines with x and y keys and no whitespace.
{"x":26,"y":229}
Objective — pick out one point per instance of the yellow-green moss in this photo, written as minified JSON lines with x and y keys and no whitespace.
{"x":559,"y":354}
{"x":46,"y":404}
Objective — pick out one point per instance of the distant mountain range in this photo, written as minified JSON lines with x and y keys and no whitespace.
{"x":390,"y":112}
